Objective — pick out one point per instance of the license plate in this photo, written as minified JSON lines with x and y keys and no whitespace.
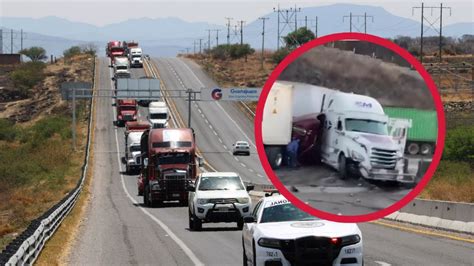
{"x":223,"y":209}
{"x":175,"y":194}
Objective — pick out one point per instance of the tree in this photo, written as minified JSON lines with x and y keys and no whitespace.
{"x":34,"y":53}
{"x":72,"y":51}
{"x":298,"y":37}
{"x":89,"y":48}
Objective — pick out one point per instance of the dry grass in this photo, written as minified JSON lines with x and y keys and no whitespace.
{"x":54,"y":166}
{"x":58,"y":248}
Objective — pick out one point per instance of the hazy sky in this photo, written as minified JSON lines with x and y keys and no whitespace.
{"x":109,"y":11}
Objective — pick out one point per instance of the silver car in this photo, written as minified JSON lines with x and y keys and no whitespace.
{"x":241,"y":148}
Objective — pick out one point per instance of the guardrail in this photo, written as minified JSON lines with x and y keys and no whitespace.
{"x":25,"y":249}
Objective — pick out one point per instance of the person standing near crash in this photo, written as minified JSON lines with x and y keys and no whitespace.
{"x":292,"y":150}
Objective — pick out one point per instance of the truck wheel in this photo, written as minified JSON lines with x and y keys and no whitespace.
{"x":127,"y":169}
{"x":426,"y":149}
{"x":240,"y":224}
{"x":146,"y":201}
{"x":274,"y":155}
{"x":190,"y":221}
{"x":244,"y":256}
{"x":343,"y":167}
{"x":413,"y":148}
{"x":197,"y":223}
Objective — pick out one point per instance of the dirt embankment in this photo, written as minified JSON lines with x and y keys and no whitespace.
{"x":391,"y":84}
{"x":44,"y":98}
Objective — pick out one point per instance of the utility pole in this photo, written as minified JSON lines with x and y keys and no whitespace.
{"x":11,"y":43}
{"x":187,"y":50}
{"x":1,"y":41}
{"x":209,"y":40}
{"x":306,"y":22}
{"x":194,"y":46}
{"x":228,"y":29}
{"x":200,"y":42}
{"x":431,"y":23}
{"x":241,"y":32}
{"x":21,"y":39}
{"x":316,"y":28}
{"x":263,"y":39}
{"x":286,"y":17}
{"x":217,"y":36}
{"x":189,"y":91}
{"x":351,"y":24}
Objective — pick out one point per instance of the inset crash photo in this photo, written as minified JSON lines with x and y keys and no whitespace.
{"x":349,"y":127}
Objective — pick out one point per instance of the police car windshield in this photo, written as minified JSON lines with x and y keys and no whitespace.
{"x":367,"y":126}
{"x":220,"y":183}
{"x":285,"y":213}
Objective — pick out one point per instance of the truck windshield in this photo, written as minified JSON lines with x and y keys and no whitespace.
{"x":136,"y":55}
{"x":220,"y":183}
{"x":134,"y":148}
{"x":366,"y":126}
{"x":122,"y":67}
{"x":174,"y":158}
{"x":284,"y":213}
{"x":159,"y":116}
{"x":127,"y":108}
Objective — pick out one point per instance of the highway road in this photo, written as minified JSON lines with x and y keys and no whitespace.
{"x":118,"y":230}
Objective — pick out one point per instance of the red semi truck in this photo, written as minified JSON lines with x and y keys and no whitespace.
{"x":169,"y":164}
{"x":109,"y":46}
{"x":126,"y":111}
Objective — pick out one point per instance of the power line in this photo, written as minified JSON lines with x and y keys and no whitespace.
{"x":285,"y":18}
{"x":228,"y":29}
{"x":241,"y":31}
{"x":263,"y":39}
{"x":431,"y":25}
{"x":217,"y":36}
{"x":351,"y":24}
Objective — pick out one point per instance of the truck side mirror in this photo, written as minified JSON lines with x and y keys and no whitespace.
{"x":113,"y":78}
{"x":191,"y":188}
{"x":249,"y":219}
{"x":250,"y":187}
{"x":200,"y":161}
{"x":145,"y":162}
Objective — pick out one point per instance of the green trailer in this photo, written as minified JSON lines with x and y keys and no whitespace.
{"x":422,"y":135}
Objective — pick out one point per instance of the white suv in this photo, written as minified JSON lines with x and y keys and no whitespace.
{"x":241,"y":147}
{"x":218,"y":197}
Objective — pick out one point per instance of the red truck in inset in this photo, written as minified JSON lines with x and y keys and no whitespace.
{"x":109,"y":46}
{"x":169,"y":165}
{"x":126,"y":111}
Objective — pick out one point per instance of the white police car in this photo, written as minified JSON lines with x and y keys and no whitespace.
{"x":218,"y":197}
{"x":278,"y":233}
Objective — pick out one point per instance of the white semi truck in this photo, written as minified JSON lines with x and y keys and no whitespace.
{"x":136,"y":57}
{"x":158,"y":114}
{"x":347,"y":131}
{"x":121,"y":67}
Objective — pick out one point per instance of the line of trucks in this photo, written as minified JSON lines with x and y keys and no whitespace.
{"x":124,"y":55}
{"x":352,"y":133}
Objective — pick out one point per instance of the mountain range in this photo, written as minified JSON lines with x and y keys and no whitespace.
{"x":167,"y":36}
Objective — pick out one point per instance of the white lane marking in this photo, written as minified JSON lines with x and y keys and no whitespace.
{"x":215,"y":133}
{"x":225,"y":147}
{"x":259,"y":175}
{"x":220,"y":140}
{"x":207,"y":121}
{"x":237,"y":159}
{"x":251,"y":170}
{"x":199,"y":110}
{"x":176,"y":239}
{"x":220,"y":106}
{"x":243,"y":165}
{"x":382,"y":263}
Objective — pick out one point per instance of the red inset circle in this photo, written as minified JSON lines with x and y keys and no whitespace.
{"x":436,"y":98}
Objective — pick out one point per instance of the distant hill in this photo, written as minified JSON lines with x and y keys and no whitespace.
{"x":174,"y":34}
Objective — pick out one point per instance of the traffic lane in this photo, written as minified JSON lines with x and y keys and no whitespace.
{"x":114,"y":231}
{"x":210,"y":143}
{"x":234,"y":109}
{"x":223,"y":126}
{"x":398,"y":247}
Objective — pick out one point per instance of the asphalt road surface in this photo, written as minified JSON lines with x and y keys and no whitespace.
{"x":119,"y":230}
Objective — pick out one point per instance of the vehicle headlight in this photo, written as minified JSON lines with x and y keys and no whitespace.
{"x":243,"y":200}
{"x":346,"y":240}
{"x":269,"y":242}
{"x":357,"y":156}
{"x":154,"y":185}
{"x":203,"y":201}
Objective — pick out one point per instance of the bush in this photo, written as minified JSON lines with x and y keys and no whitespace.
{"x":298,"y":37}
{"x":233,"y":51}
{"x":27,"y":76}
{"x":8,"y":130}
{"x":35,"y":53}
{"x":73,"y":51}
{"x":459,"y":144}
{"x":280,"y":54}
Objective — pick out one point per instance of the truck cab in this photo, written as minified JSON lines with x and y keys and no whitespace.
{"x":116,"y":51}
{"x":355,"y":139}
{"x":126,"y":111}
{"x":121,"y":67}
{"x":169,"y":164}
{"x":133,"y":133}
{"x":135,"y":56}
{"x":158,"y":114}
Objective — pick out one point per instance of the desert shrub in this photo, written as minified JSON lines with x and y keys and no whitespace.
{"x":232,"y":51}
{"x":72,"y":51}
{"x":8,"y":131}
{"x":459,"y":144}
{"x":280,"y":54}
{"x":27,"y":75}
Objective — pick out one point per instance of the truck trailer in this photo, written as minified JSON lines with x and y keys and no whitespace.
{"x":169,"y":164}
{"x":132,"y":134}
